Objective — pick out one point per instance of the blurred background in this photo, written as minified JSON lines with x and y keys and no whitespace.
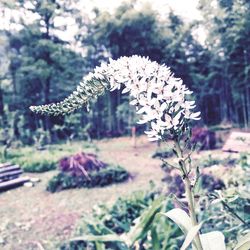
{"x":48,"y":46}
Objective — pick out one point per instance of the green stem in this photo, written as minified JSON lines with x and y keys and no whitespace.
{"x":189,"y":193}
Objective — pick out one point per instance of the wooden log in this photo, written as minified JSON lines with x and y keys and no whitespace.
{"x":10,"y":174}
{"x":9,"y":168}
{"x":13,"y":183}
{"x":6,"y":164}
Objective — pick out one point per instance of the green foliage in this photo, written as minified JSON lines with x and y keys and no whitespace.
{"x":229,"y":209}
{"x":103,"y":177}
{"x":37,"y":164}
{"x":211,"y":161}
{"x":232,"y":214}
{"x":41,"y":68}
{"x":163,"y":153}
{"x":130,"y":219}
{"x":121,"y":215}
{"x":32,"y":160}
{"x":228,"y":68}
{"x":244,"y":161}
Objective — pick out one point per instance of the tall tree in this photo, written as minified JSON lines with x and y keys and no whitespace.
{"x":228,"y":41}
{"x":43,"y":67}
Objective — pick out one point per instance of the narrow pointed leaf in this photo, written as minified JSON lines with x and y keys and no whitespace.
{"x":244,"y":243}
{"x":190,"y":236}
{"x":181,"y":218}
{"x":144,"y":222}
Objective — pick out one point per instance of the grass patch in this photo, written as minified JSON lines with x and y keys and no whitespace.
{"x":32,"y":160}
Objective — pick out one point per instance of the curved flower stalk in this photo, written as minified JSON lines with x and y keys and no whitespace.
{"x":159,"y":97}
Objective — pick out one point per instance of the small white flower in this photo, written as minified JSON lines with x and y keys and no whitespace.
{"x":160,"y":97}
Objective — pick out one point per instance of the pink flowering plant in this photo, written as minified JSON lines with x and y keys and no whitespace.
{"x":165,"y":104}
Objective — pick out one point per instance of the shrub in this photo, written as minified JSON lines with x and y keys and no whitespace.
{"x":80,"y":164}
{"x":122,"y":214}
{"x":163,"y":153}
{"x":35,"y":162}
{"x":244,"y":161}
{"x":97,"y":178}
{"x":204,"y":138}
{"x":207,"y":182}
{"x":120,"y":218}
{"x":38,"y":166}
{"x":211,"y":161}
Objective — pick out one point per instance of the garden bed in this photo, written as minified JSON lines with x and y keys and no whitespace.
{"x":99,"y":178}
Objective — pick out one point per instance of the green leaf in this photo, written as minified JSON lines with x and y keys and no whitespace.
{"x":155,"y":240}
{"x":243,"y":243}
{"x":99,"y":246}
{"x":208,"y":240}
{"x":190,"y":236}
{"x":181,"y":218}
{"x":144,"y":222}
{"x":99,"y":238}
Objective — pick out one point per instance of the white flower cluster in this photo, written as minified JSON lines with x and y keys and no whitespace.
{"x":160,"y":98}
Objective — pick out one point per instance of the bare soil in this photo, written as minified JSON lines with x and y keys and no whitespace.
{"x":32,"y":218}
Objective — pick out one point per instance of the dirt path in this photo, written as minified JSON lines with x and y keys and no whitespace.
{"x":31,"y":216}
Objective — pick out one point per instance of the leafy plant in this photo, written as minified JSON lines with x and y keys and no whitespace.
{"x":207,"y":183}
{"x":129,"y":220}
{"x":163,"y":153}
{"x":244,"y":161}
{"x":204,"y":137}
{"x":32,"y":160}
{"x":38,"y":165}
{"x":96,"y":178}
{"x":81,"y":164}
{"x":210,"y":161}
{"x":38,"y":162}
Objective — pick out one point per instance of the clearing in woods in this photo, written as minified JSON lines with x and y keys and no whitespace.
{"x":33,"y":217}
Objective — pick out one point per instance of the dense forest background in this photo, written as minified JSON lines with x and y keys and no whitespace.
{"x":37,"y":66}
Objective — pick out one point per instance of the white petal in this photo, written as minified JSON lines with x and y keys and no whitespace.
{"x":195,"y":116}
{"x":134,"y":102}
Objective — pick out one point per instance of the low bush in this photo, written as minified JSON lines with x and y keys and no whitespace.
{"x":120,"y":218}
{"x":203,"y":137}
{"x":38,"y":165}
{"x":96,"y":178}
{"x":207,"y":182}
{"x":121,"y":215}
{"x":32,"y":160}
{"x":163,"y":153}
{"x":244,"y":161}
{"x":232,"y":211}
{"x":211,"y":161}
{"x":81,"y":164}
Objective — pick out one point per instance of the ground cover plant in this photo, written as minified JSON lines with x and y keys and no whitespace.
{"x":32,"y":160}
{"x":97,"y":178}
{"x":165,"y":103}
{"x":85,"y":170}
{"x":120,"y":218}
{"x":163,"y":153}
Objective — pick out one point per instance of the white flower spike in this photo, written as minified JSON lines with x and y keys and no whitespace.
{"x":161,"y":98}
